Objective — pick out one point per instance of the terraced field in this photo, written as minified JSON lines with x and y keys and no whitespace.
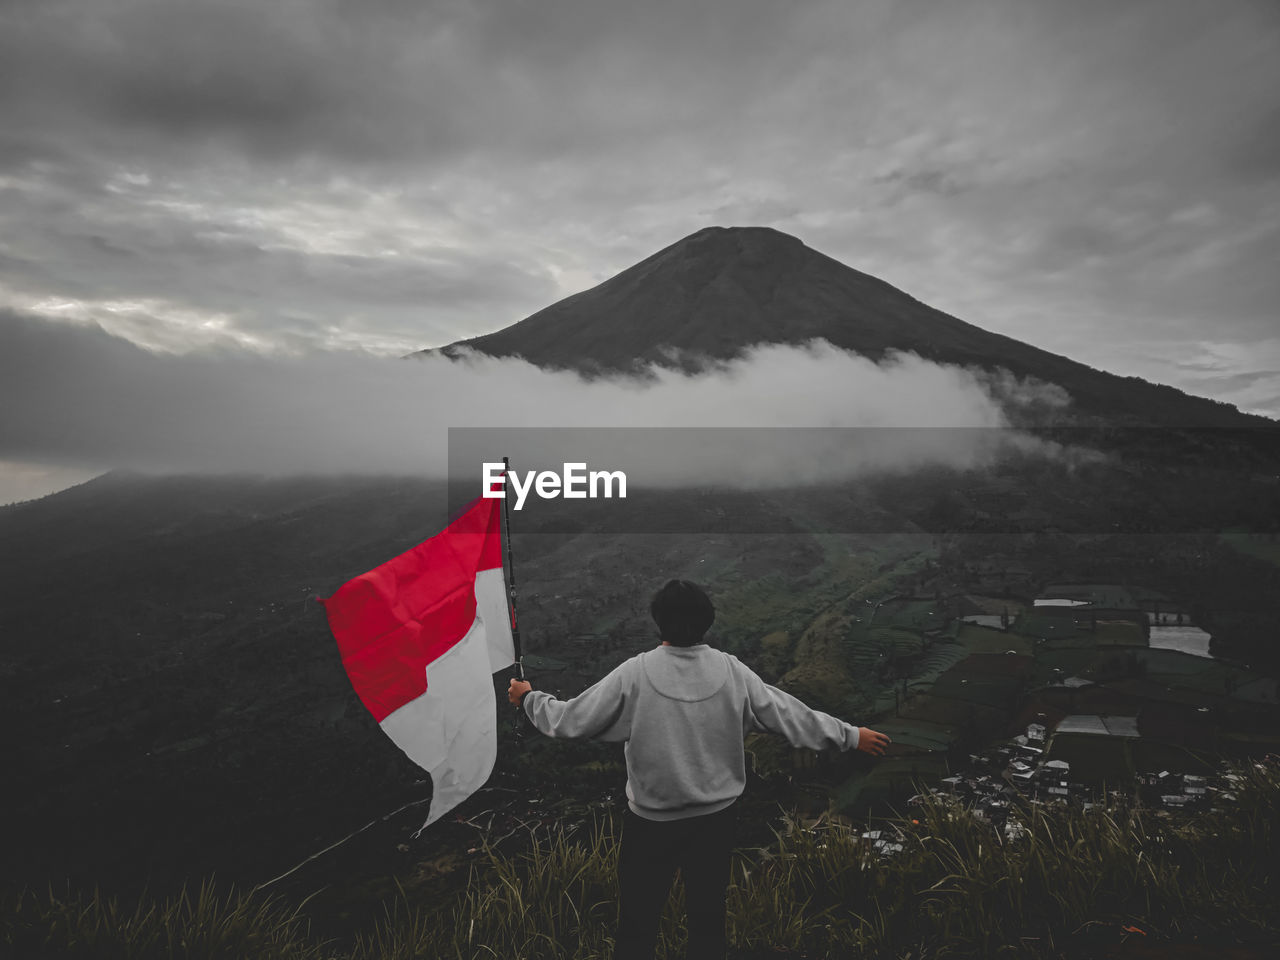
{"x":1048,"y":626}
{"x":940,"y":658}
{"x":866,"y":652}
{"x":897,"y":641}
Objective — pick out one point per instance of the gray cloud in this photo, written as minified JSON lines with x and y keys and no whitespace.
{"x":75,"y":396}
{"x":1094,"y":178}
{"x":380,"y":81}
{"x":255,"y":263}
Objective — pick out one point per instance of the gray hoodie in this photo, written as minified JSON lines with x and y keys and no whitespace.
{"x":683,"y":712}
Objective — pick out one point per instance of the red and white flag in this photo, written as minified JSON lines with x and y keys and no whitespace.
{"x":421,"y":637}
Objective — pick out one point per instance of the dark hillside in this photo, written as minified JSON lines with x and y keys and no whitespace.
{"x":173,"y":697}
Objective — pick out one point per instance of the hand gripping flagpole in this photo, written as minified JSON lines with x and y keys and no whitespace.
{"x":511,"y":580}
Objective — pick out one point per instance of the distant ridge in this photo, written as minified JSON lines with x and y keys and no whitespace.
{"x":724,"y":289}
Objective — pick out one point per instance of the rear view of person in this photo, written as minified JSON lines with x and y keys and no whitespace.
{"x":683,"y":709}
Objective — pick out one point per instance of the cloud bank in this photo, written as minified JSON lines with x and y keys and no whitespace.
{"x":77,"y":397}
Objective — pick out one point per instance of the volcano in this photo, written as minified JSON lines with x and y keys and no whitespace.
{"x":722,"y":290}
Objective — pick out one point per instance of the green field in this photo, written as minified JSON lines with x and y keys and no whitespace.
{"x":1210,"y":683}
{"x":950,"y":712}
{"x":923,"y":735}
{"x":1119,"y":633}
{"x":1071,"y":661}
{"x":986,"y":640}
{"x":993,"y":665}
{"x":1050,"y":626}
{"x":997,"y":692}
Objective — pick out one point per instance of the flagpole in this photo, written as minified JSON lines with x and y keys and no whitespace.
{"x":511,"y":571}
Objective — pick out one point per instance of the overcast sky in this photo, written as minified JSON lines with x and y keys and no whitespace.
{"x":1100,"y":178}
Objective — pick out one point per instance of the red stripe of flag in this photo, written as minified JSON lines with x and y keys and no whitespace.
{"x":391,"y":622}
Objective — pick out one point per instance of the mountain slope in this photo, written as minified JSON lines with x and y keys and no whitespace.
{"x":723,"y":289}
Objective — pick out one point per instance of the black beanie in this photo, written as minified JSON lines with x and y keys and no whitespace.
{"x":683,"y":613}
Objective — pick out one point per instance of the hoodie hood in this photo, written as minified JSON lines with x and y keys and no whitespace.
{"x":686,"y":673}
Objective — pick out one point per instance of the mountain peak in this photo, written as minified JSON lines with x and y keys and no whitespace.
{"x":746,"y":247}
{"x":740,"y":238}
{"x":719,"y":291}
{"x":713,"y":294}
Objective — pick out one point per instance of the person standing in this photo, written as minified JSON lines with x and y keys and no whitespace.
{"x":682,"y":710}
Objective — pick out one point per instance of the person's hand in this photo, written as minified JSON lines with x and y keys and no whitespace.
{"x":517,"y":689}
{"x":872,"y":741}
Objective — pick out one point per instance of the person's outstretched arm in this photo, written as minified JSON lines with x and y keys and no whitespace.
{"x":598,"y":712}
{"x":776,"y":711}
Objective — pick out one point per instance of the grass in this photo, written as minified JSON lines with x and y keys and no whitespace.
{"x":207,"y":924}
{"x":958,"y":889}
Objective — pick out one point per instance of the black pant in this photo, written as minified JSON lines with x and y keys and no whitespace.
{"x":651,"y":852}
